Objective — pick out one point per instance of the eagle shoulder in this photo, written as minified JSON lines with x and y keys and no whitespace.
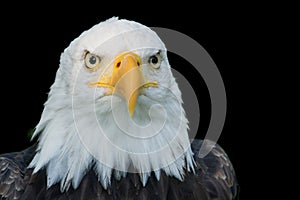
{"x":216,"y":172}
{"x":13,"y":176}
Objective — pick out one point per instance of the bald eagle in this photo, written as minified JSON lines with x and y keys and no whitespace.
{"x":113,"y":127}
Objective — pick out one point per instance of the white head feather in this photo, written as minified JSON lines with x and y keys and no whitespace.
{"x":82,"y":129}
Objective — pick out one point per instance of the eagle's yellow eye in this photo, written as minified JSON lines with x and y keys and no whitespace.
{"x":92,"y":61}
{"x":155,"y":61}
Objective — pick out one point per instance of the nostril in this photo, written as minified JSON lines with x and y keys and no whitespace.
{"x":138,"y":63}
{"x":118,"y":65}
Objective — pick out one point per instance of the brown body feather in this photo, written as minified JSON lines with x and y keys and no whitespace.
{"x":214,"y":178}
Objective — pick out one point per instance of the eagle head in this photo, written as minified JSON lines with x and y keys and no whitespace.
{"x":114,"y":108}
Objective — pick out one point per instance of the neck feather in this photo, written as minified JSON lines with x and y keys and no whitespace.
{"x":91,"y":136}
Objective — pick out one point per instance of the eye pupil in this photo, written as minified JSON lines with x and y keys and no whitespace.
{"x":93,"y":60}
{"x":154,"y":60}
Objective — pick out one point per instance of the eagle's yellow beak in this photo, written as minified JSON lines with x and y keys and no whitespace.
{"x":126,"y":79}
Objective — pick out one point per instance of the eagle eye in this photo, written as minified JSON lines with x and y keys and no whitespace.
{"x":155,"y":61}
{"x":92,"y":61}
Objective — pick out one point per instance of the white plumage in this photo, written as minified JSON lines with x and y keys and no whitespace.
{"x":81,"y":126}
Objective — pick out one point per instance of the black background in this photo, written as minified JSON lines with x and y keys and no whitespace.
{"x":32,"y":40}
